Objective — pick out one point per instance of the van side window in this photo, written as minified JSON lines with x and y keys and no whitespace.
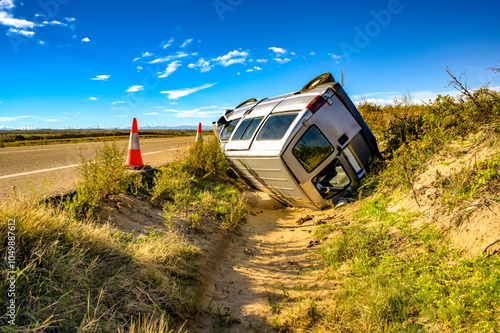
{"x":228,"y":129}
{"x":246,"y":128}
{"x":276,"y":126}
{"x":312,"y":149}
{"x":331,"y":180}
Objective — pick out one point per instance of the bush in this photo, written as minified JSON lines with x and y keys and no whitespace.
{"x":198,"y":186}
{"x":100,"y":177}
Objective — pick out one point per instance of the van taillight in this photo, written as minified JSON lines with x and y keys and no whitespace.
{"x":316,"y":104}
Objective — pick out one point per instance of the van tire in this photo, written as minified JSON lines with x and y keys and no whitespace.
{"x":320,"y":79}
{"x":251,"y":100}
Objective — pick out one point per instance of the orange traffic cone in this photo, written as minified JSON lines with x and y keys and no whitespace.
{"x":198,"y":134}
{"x":134,"y":158}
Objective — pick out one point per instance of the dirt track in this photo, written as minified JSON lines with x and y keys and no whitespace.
{"x":253,"y":270}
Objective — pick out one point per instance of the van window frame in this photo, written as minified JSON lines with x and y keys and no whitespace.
{"x":280,"y":114}
{"x":244,"y":133}
{"x":237,"y":120}
{"x":326,"y":157}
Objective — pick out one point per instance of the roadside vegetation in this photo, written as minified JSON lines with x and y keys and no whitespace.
{"x":393,"y":264}
{"x":78,"y":273}
{"x":21,"y":138}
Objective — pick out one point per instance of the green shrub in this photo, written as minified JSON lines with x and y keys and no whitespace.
{"x":205,"y":159}
{"x":198,"y":186}
{"x":100,"y":177}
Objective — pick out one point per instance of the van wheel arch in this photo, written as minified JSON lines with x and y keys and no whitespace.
{"x":320,"y":79}
{"x":251,"y":100}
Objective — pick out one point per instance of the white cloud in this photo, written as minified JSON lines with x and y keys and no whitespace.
{"x":151,"y":113}
{"x":101,"y":78}
{"x":278,"y":50}
{"x":167,"y":44}
{"x":8,"y":20}
{"x":86,"y":40}
{"x":206,"y":111}
{"x":135,"y":88}
{"x":53,"y":22}
{"x":177,"y":55}
{"x":202,"y":64}
{"x":175,"y":94}
{"x":255,"y":68}
{"x":293,"y":53}
{"x":69,"y":19}
{"x":25,"y":33}
{"x":143,"y":55}
{"x":282,"y":61}
{"x":264,"y":61}
{"x":52,"y":120}
{"x":172,"y":67}
{"x":186,"y":42}
{"x":6,"y":119}
{"x":334,"y":56}
{"x":41,"y":42}
{"x":93,"y":98}
{"x":312,"y":53}
{"x":233,"y":57}
{"x":6,"y":4}
{"x":388,"y":97}
{"x":139,"y":68}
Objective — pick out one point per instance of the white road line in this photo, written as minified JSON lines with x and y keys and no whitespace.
{"x":155,"y":152}
{"x":69,"y":166}
{"x":38,"y":171}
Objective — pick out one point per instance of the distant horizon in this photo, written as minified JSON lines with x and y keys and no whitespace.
{"x":69,"y":64}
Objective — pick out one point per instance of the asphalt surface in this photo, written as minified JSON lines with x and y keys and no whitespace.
{"x":53,"y":169}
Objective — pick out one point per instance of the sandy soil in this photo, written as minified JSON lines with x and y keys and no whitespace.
{"x":252,"y":269}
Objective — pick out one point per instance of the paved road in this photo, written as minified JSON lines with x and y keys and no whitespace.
{"x":53,"y":168}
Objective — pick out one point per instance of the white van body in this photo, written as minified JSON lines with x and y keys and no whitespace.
{"x":306,"y":149}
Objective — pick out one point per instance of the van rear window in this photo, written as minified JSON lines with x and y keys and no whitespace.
{"x":247,"y":128}
{"x":276,"y":126}
{"x":312,"y":149}
{"x":228,"y":129}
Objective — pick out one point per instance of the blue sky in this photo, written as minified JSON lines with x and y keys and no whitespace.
{"x":77,"y":64}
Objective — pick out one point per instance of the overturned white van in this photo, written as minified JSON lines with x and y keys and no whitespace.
{"x":307,"y":148}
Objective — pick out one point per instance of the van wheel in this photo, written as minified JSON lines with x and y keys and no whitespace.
{"x":320,"y":79}
{"x":246,"y":102}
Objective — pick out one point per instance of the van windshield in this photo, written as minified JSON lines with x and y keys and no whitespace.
{"x":247,"y":128}
{"x":228,"y":129}
{"x":312,"y":149}
{"x":276,"y":126}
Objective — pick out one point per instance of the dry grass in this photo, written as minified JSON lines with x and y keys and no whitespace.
{"x":75,"y":275}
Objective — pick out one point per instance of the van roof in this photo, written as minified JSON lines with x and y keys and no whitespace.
{"x":288,"y":102}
